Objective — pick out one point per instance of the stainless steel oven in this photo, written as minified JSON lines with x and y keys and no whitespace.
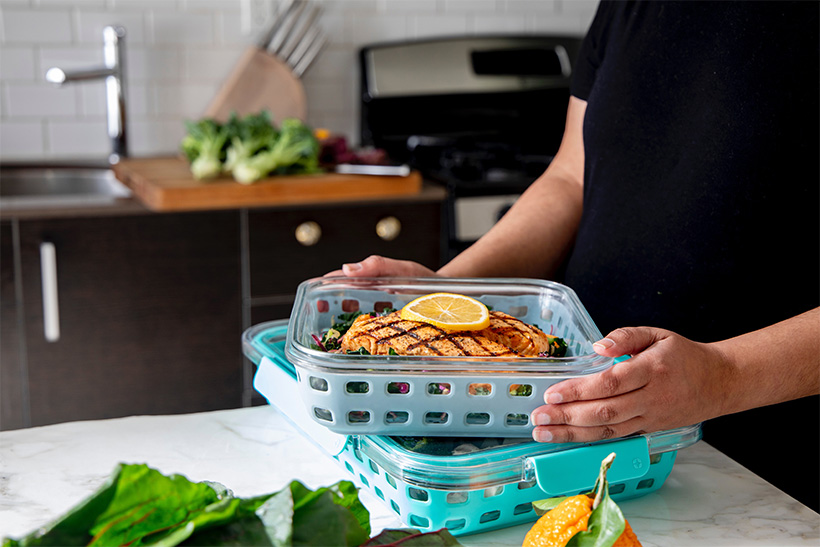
{"x":481,"y":115}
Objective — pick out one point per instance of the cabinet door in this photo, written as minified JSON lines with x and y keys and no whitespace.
{"x":279,"y":261}
{"x":149,"y":316}
{"x":12,"y":386}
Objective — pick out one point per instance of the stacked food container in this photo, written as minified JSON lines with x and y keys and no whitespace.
{"x":446,"y":441}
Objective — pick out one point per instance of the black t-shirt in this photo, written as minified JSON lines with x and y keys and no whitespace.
{"x":702,"y":189}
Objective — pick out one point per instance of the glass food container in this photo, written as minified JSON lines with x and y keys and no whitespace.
{"x":432,"y":395}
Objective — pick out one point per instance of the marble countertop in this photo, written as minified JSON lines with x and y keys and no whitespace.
{"x":707,"y":500}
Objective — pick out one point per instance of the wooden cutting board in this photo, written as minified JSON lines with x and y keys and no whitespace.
{"x":166,"y":184}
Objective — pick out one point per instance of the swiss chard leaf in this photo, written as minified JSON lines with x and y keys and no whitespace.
{"x":360,"y":351}
{"x":329,"y":516}
{"x":138,"y":505}
{"x":411,"y":536}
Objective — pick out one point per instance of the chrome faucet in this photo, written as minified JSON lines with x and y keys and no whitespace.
{"x":114,"y":75}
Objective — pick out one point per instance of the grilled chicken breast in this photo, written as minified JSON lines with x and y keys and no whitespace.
{"x":505,"y":337}
{"x":515,"y":334}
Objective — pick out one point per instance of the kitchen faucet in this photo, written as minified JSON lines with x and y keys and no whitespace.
{"x":114,"y":74}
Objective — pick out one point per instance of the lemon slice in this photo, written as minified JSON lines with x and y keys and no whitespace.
{"x":452,"y":312}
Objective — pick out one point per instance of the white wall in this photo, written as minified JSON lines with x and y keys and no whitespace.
{"x":179,"y":51}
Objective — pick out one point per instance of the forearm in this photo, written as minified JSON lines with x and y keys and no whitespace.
{"x":536,"y":234}
{"x":775,"y":364}
{"x":531,"y":240}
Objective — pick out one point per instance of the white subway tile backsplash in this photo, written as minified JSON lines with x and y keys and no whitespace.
{"x":408,"y":6}
{"x":90,"y":25}
{"x":186,"y":100}
{"x":425,"y":26}
{"x":27,"y":100}
{"x":333,"y":63}
{"x":183,"y":28}
{"x":153,"y":137}
{"x":532,"y":6}
{"x":160,"y":63}
{"x":21,"y":140}
{"x":217,"y":4}
{"x":470,"y":6}
{"x":92,"y":99}
{"x":69,"y":3}
{"x":357,"y":7}
{"x":229,"y":29}
{"x":85,"y":139}
{"x":36,"y":27}
{"x":69,"y":58}
{"x":16,"y":64}
{"x":498,"y":24}
{"x":136,"y":97}
{"x":573,"y":24}
{"x":178,"y":52}
{"x":363,"y":29}
{"x":146,"y":4}
{"x":330,"y":96}
{"x":585,"y":7}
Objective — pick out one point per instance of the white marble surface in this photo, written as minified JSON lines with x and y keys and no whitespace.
{"x":708,"y":500}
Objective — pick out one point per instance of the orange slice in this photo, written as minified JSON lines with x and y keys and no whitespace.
{"x":448,"y":311}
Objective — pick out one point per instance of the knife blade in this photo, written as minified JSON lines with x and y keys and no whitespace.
{"x":304,"y":44}
{"x":275,"y":23}
{"x":293,"y":13}
{"x":300,"y":33}
{"x":314,"y":49}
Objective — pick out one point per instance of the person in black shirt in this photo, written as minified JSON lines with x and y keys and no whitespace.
{"x":685,"y":196}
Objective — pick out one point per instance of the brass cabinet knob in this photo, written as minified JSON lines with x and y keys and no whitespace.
{"x":388,"y":228}
{"x":308,"y":233}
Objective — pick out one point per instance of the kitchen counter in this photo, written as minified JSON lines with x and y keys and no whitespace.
{"x":707,"y":500}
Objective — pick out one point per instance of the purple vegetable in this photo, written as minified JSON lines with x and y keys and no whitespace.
{"x":318,"y":342}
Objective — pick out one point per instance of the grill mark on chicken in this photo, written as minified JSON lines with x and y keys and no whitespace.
{"x":519,"y":336}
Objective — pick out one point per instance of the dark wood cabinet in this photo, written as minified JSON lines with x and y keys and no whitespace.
{"x":13,"y":403}
{"x":149,"y":317}
{"x":288,"y":246}
{"x":279,"y":261}
{"x":150,"y":308}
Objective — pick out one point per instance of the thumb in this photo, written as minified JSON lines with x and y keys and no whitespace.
{"x":627,"y":341}
{"x":379,"y":266}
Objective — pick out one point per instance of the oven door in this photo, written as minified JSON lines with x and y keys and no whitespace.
{"x":471,"y":217}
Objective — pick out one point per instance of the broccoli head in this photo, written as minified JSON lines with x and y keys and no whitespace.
{"x":296,"y":150}
{"x":205,"y":146}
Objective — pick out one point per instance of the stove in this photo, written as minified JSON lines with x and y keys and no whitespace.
{"x":481,"y":115}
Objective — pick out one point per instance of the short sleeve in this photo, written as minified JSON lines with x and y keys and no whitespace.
{"x":591,"y":52}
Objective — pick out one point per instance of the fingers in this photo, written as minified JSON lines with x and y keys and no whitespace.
{"x":618,"y":379}
{"x":612,"y":410}
{"x":572,"y":434}
{"x":628,"y":340}
{"x":379,"y":266}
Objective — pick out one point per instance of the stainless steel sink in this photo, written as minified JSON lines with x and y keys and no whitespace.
{"x":55,"y":187}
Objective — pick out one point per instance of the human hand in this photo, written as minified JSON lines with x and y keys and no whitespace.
{"x":668,"y":382}
{"x":379,"y":266}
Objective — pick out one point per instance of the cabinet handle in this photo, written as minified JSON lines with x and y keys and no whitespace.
{"x":388,"y":228}
{"x":48,"y":276}
{"x":308,"y":233}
